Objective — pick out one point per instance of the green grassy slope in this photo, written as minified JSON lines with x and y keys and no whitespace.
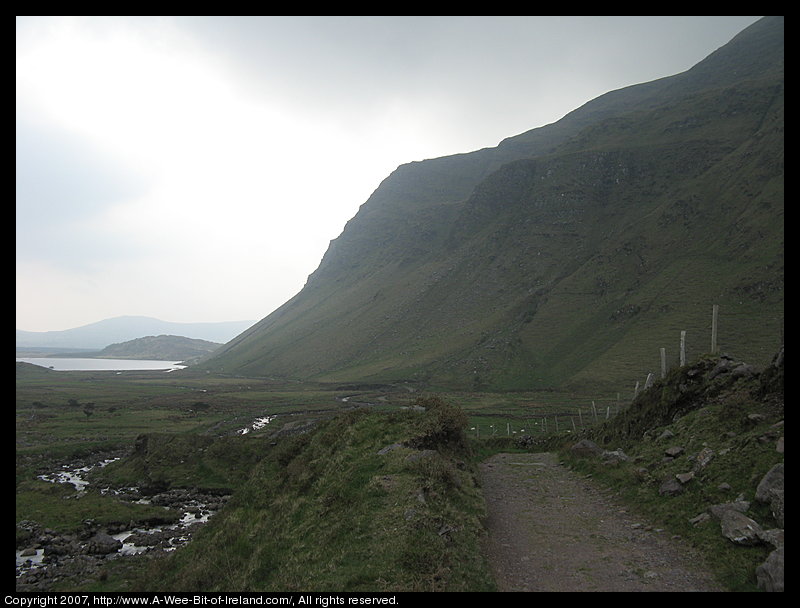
{"x":367,"y":502}
{"x":568,"y":255}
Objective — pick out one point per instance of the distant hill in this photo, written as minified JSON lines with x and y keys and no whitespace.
{"x":122,"y":329}
{"x":159,"y":348}
{"x":566,"y":256}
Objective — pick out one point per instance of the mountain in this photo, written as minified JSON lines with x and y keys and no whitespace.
{"x":121,"y":329}
{"x":567,"y":256}
{"x":159,"y":348}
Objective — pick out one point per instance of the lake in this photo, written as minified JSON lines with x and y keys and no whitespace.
{"x":65,"y":364}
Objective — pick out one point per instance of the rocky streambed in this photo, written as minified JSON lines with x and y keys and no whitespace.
{"x":48,"y":555}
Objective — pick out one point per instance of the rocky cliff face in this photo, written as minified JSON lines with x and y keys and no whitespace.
{"x":568,"y":255}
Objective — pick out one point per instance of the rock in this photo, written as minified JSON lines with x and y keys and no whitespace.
{"x":671,"y":487}
{"x":673,"y":451}
{"x":743,"y":370}
{"x":773,"y":480}
{"x":773,"y":537}
{"x":740,"y":529}
{"x":723,"y":367}
{"x":389,"y":448}
{"x":770,"y":574}
{"x":667,"y":434}
{"x":145,"y":539}
{"x":770,"y":491}
{"x":703,"y":458}
{"x":776,"y":504}
{"x":684,"y":478}
{"x":60,"y":546}
{"x":614,"y":457}
{"x":101,"y":544}
{"x":586,"y":448}
{"x":718,"y":511}
{"x":525,"y":441}
{"x":700,"y":519}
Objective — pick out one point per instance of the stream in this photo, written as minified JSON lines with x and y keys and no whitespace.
{"x":51,"y":554}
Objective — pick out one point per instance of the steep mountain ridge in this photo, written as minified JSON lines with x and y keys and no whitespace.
{"x":567,"y":255}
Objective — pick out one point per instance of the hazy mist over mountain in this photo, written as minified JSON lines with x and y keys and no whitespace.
{"x":122,"y":329}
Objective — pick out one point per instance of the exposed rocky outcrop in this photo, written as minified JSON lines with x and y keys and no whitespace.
{"x":705,"y":429}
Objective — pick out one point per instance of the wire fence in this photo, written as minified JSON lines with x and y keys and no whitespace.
{"x":571,"y":418}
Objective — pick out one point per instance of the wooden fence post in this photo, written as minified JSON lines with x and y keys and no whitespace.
{"x":663,"y":363}
{"x":683,"y":347}
{"x":714,"y":318}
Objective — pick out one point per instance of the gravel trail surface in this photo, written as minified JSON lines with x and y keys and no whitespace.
{"x":551,"y":529}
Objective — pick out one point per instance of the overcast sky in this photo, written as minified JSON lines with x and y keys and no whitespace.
{"x":196,"y":168}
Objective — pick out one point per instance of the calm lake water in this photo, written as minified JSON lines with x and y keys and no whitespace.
{"x":64,"y":364}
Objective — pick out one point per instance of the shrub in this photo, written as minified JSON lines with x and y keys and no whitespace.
{"x":442,"y":426}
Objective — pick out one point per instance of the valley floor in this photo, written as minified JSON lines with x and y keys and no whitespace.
{"x":551,"y":529}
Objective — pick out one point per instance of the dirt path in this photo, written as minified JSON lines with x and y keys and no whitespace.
{"x":551,"y":529}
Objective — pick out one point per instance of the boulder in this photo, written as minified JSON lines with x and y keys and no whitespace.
{"x":743,"y":370}
{"x":102,"y":544}
{"x":739,"y":505}
{"x":586,"y":448}
{"x":770,"y":574}
{"x":776,"y":504}
{"x":614,"y":456}
{"x":673,"y":451}
{"x":671,"y":487}
{"x":773,"y":480}
{"x":774,"y":537}
{"x":740,"y":529}
{"x":770,"y":491}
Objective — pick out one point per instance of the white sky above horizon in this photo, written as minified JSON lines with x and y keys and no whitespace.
{"x":195,"y":169}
